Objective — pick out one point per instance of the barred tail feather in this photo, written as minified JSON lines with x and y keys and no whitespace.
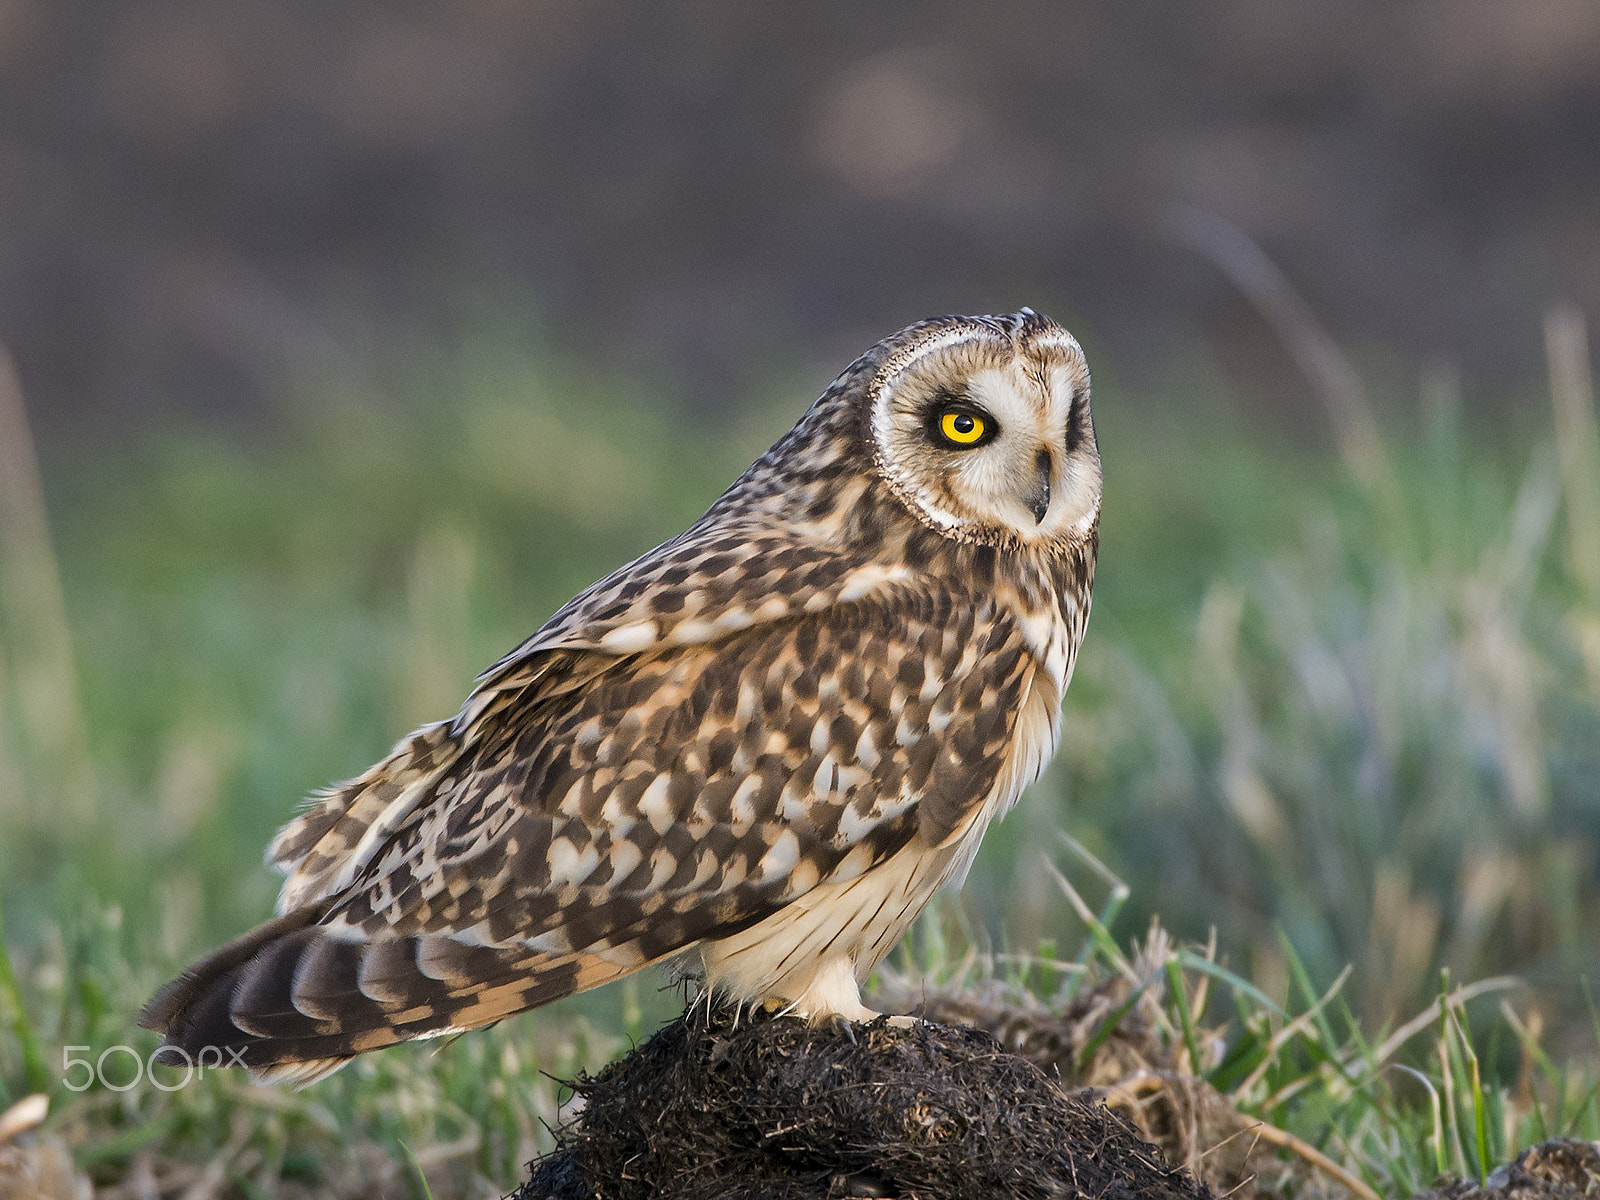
{"x":293,"y":1001}
{"x":182,"y":993}
{"x":322,"y":849}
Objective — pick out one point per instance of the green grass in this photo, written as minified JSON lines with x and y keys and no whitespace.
{"x":1394,"y":1108}
{"x":1336,"y":725}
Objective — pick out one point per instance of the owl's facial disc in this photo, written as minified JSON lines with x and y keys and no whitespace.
{"x":988,"y":436}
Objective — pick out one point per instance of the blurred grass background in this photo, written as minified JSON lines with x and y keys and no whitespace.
{"x":1336,"y":721}
{"x":1370,"y":719}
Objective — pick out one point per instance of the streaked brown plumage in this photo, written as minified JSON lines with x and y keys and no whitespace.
{"x":772,"y":737}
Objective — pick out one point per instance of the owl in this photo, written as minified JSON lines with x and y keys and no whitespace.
{"x":768,"y":741}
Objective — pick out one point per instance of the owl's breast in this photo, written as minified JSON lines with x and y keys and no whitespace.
{"x":1049,"y":606}
{"x":1049,"y":601}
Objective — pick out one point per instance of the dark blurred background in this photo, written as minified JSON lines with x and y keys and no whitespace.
{"x":198,"y":199}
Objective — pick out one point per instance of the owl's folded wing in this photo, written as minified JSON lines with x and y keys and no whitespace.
{"x":617,"y":808}
{"x":697,"y":589}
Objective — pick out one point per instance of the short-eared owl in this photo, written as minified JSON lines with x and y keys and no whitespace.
{"x":770,"y":739}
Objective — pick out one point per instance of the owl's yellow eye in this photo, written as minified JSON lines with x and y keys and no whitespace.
{"x":962,"y":428}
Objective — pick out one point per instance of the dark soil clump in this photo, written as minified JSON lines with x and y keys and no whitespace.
{"x":763,"y":1108}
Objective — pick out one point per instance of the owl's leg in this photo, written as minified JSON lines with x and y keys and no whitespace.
{"x":832,"y":991}
{"x":812,"y":953}
{"x":750,"y":972}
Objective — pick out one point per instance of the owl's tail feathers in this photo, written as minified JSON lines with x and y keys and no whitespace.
{"x":295,"y":1000}
{"x":327,"y":845}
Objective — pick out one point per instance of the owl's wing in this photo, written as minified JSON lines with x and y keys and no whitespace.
{"x":709,"y":583}
{"x":680,"y":792}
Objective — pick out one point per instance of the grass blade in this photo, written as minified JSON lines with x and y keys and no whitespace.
{"x":35,"y":1074}
{"x":1179,"y":996}
{"x":1577,"y":440}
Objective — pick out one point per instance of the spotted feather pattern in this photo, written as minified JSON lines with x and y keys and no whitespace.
{"x":808,"y":688}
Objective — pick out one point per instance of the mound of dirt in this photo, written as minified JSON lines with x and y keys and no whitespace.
{"x":768,"y":1108}
{"x":1137,"y":1070}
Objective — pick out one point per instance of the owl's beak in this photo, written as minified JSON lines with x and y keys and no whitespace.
{"x":1038,"y":497}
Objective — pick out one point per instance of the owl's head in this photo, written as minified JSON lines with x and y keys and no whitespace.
{"x":981,"y":426}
